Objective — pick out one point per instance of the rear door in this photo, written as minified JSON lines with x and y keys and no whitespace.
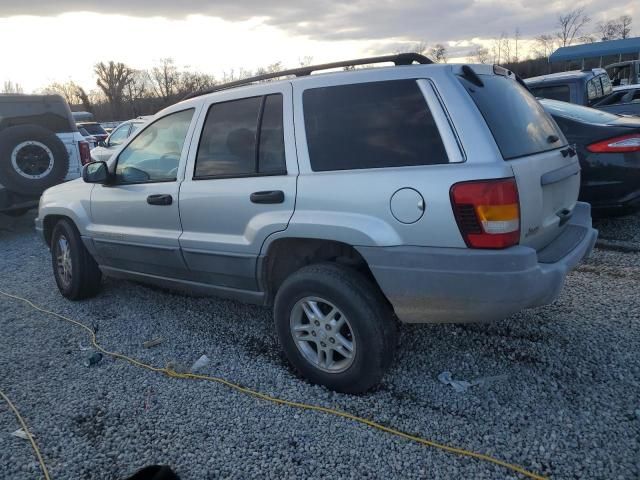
{"x":240,"y":184}
{"x":546,"y":171}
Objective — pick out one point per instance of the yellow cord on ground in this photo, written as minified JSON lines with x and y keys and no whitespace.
{"x":276,"y":400}
{"x":23,"y":424}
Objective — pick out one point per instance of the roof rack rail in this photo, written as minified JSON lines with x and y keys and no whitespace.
{"x":398,"y":59}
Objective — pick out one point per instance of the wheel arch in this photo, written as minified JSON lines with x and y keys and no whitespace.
{"x":284,"y":256}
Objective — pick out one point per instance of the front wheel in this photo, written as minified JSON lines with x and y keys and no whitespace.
{"x":335,"y":327}
{"x":76,"y":272}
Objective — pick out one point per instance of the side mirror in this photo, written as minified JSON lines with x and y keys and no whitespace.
{"x":95,"y":172}
{"x":102,"y":143}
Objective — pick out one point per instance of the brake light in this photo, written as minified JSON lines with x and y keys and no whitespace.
{"x":487,"y":212}
{"x":85,"y":152}
{"x":625,"y":143}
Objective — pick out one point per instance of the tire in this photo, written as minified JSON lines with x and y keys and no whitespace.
{"x":84,"y":276}
{"x":32,"y":159}
{"x":368,"y":325}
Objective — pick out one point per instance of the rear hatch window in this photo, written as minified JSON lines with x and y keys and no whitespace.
{"x":94,"y":129}
{"x":519,"y":124}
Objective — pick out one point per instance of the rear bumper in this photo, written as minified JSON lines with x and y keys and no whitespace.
{"x":432,"y":285}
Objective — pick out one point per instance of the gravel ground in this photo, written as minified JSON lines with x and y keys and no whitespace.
{"x":567,"y":403}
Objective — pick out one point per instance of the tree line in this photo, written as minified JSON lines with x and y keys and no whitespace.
{"x":571,"y":28}
{"x":125,"y":92}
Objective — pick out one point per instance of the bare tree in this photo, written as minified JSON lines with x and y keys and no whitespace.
{"x":305,"y":61}
{"x":113,"y":79}
{"x":137,"y":89}
{"x":438,"y":53}
{"x":73,"y":93}
{"x":496,"y":49}
{"x":506,"y":48}
{"x":165,"y":79}
{"x":479,"y":54}
{"x":68,"y":90}
{"x":608,"y":30}
{"x":517,"y":36}
{"x":544,"y":46}
{"x":571,"y":26}
{"x":82,"y":95}
{"x":625,"y":26}
{"x":11,"y":87}
{"x":195,"y":81}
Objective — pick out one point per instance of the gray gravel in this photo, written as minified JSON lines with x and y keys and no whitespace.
{"x":568,"y":407}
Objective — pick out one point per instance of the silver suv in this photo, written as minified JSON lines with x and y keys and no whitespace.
{"x":347,"y":201}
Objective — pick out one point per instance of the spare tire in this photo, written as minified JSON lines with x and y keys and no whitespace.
{"x":32,"y":159}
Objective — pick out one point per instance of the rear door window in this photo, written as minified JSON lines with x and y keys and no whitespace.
{"x":519,"y":124}
{"x":242,"y":138}
{"x":370,"y":125}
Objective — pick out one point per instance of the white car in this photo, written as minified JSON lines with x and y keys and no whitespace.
{"x":104,"y":150}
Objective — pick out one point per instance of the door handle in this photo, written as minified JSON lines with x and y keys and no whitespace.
{"x":270,"y":196}
{"x":160,"y":199}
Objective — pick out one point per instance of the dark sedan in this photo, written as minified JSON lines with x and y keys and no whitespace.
{"x":608,"y":146}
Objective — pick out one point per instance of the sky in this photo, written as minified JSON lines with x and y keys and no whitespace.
{"x":45,"y":41}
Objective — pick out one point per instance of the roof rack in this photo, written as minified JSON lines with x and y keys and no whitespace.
{"x":398,"y":59}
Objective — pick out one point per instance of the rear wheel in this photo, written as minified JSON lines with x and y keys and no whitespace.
{"x":76,"y":272}
{"x":335,"y":327}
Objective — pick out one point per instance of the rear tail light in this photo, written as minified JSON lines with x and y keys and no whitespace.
{"x":625,"y":143}
{"x":487,"y":212}
{"x":85,"y":152}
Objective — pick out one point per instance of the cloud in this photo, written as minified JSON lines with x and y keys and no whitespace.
{"x":429,"y":20}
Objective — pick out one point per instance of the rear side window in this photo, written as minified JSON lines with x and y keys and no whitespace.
{"x":51,"y":113}
{"x":556,"y":92}
{"x":242,"y":138}
{"x":370,"y":125}
{"x":519,"y":124}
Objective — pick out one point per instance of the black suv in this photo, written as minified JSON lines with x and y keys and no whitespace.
{"x":40,"y":146}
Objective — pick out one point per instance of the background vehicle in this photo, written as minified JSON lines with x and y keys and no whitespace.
{"x":105,"y":149}
{"x":40,"y":146}
{"x":94,"y":129}
{"x":109,"y":126}
{"x":623,"y":101}
{"x":609,"y":152}
{"x":345,"y":200}
{"x":582,"y":87}
{"x":624,"y":73}
{"x":91,"y":140}
{"x":83,"y":116}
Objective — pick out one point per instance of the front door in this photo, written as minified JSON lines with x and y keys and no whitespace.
{"x":240,"y":184}
{"x":135,"y":220}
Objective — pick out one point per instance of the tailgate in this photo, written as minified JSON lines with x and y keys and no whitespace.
{"x":546,"y":170}
{"x":548,"y":185}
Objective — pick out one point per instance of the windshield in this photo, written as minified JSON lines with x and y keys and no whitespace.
{"x":517,"y":121}
{"x":578,"y":112}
